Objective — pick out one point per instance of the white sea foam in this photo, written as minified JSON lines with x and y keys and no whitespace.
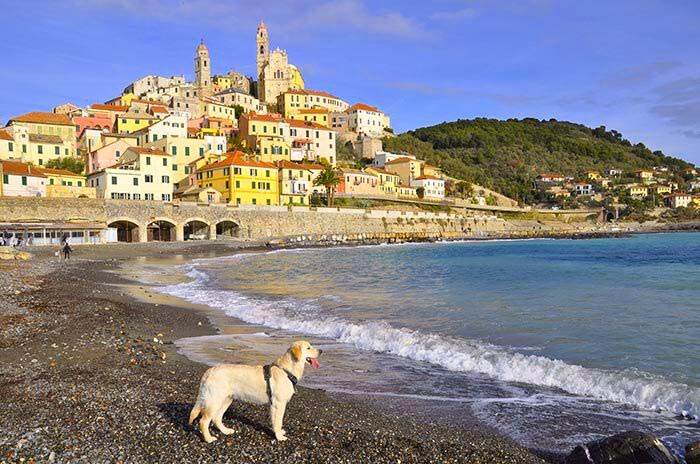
{"x":462,"y":355}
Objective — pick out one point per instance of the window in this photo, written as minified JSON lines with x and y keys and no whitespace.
{"x":165,"y":196}
{"x":136,"y":181}
{"x":24,"y":180}
{"x":201,"y":151}
{"x":253,"y":185}
{"x":5,"y":179}
{"x":165,"y":161}
{"x":253,"y":172}
{"x":165,"y":179}
{"x":114,"y":180}
{"x":187,"y":151}
{"x":24,"y":148}
{"x":148,"y":161}
{"x":41,"y":149}
{"x":51,"y":182}
{"x":238,"y":201}
{"x":148,"y":178}
{"x":238,"y":184}
{"x":174,"y":151}
{"x":117,"y":154}
{"x":41,"y":162}
{"x":268,"y":201}
{"x":57,"y":150}
{"x":267,"y":173}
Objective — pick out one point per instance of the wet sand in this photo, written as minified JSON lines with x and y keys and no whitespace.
{"x":89,"y":372}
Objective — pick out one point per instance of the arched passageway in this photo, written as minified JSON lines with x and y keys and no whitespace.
{"x":127,"y":231}
{"x":196,"y":230}
{"x":161,"y":231}
{"x":227,"y":229}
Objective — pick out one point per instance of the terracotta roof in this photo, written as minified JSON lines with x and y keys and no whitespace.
{"x":40,"y":117}
{"x":237,"y":158}
{"x":362,"y":106}
{"x":263,"y":117}
{"x":45,"y":138}
{"x":306,"y":124}
{"x":159,"y":109}
{"x":383,"y":171}
{"x":403,"y":159}
{"x":292,"y":165}
{"x":117,"y":108}
{"x":58,"y":172}
{"x":134,"y":115}
{"x":427,"y":177}
{"x":319,"y":93}
{"x":148,"y":102}
{"x":20,"y":169}
{"x":147,"y":151}
{"x":314,"y":111}
{"x":4,"y":135}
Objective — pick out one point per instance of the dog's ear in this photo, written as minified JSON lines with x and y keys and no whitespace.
{"x":296,"y":352}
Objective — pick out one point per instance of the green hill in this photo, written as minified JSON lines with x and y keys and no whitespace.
{"x":507,"y":155}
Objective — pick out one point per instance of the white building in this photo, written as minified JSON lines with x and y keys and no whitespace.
{"x":22,"y":180}
{"x":433,"y":187}
{"x":383,"y":157}
{"x":367,"y":120}
{"x":584,"y":189}
{"x":171,"y":126}
{"x":140,"y":174}
{"x":317,"y":140}
{"x":233,"y":96}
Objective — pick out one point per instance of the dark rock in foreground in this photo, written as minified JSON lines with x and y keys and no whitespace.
{"x":692,"y":453}
{"x":623,"y":448}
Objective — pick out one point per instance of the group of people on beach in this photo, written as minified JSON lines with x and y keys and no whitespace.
{"x":14,"y":241}
{"x":7,"y":239}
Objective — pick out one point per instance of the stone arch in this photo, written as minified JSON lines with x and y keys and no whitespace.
{"x":227,"y":228}
{"x":161,"y":229}
{"x":196,"y":228}
{"x":128,"y":229}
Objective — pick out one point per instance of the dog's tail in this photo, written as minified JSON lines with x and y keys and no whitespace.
{"x":196,"y":409}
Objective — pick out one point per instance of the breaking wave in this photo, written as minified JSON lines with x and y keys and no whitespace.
{"x":462,"y":355}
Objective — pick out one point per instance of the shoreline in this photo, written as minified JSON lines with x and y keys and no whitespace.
{"x":102,"y":380}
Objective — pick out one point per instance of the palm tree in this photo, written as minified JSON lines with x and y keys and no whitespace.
{"x":328,"y":178}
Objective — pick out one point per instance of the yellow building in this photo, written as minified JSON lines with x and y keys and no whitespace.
{"x":388,"y":181}
{"x":210,"y":107}
{"x":133,"y":121}
{"x":266,"y":134}
{"x":644,"y":174}
{"x":39,"y":137}
{"x":407,"y":169}
{"x":430,"y":170}
{"x":293,"y":101}
{"x":67,"y":184}
{"x":241,"y":179}
{"x":297,"y":181}
{"x":637,"y":191}
{"x":223,"y":82}
{"x":317,"y":115}
{"x":593,"y":175}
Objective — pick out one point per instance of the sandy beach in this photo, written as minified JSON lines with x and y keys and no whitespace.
{"x":90,"y":373}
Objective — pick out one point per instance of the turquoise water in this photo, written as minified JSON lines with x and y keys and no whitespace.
{"x":550,"y":341}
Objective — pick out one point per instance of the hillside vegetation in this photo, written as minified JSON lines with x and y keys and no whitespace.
{"x":507,"y":155}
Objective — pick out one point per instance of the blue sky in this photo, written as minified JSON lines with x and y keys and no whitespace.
{"x":629,"y":65}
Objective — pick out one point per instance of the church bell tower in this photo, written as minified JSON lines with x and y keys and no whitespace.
{"x":202,"y":69}
{"x":261,"y":49}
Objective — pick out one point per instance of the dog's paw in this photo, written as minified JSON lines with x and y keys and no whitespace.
{"x":227,"y":431}
{"x":280,"y":437}
{"x":283,"y":432}
{"x":210,"y":439}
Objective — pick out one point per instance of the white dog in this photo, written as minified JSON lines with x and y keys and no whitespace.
{"x":274,"y":384}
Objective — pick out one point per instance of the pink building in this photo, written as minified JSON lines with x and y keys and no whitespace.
{"x":106,"y":156}
{"x":355,"y":182}
{"x":97,"y":121}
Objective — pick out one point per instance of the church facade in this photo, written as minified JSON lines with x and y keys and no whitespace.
{"x":275,"y":74}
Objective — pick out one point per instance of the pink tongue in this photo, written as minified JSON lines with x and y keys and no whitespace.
{"x":314,"y":363}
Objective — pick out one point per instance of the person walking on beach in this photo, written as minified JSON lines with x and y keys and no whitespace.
{"x":66,"y":250}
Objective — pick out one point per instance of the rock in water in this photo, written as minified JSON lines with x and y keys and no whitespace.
{"x":692,"y":453}
{"x":623,"y":448}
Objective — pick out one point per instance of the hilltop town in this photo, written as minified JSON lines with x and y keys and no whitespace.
{"x":270,"y":141}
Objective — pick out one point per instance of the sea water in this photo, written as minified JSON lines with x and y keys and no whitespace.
{"x":552,"y":342}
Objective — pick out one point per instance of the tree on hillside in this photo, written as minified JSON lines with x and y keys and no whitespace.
{"x":420,"y":191}
{"x":329,"y":179}
{"x":238,"y":111}
{"x":67,"y":163}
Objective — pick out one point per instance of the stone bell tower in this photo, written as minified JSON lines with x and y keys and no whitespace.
{"x":261,"y":49}
{"x":202,"y":69}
